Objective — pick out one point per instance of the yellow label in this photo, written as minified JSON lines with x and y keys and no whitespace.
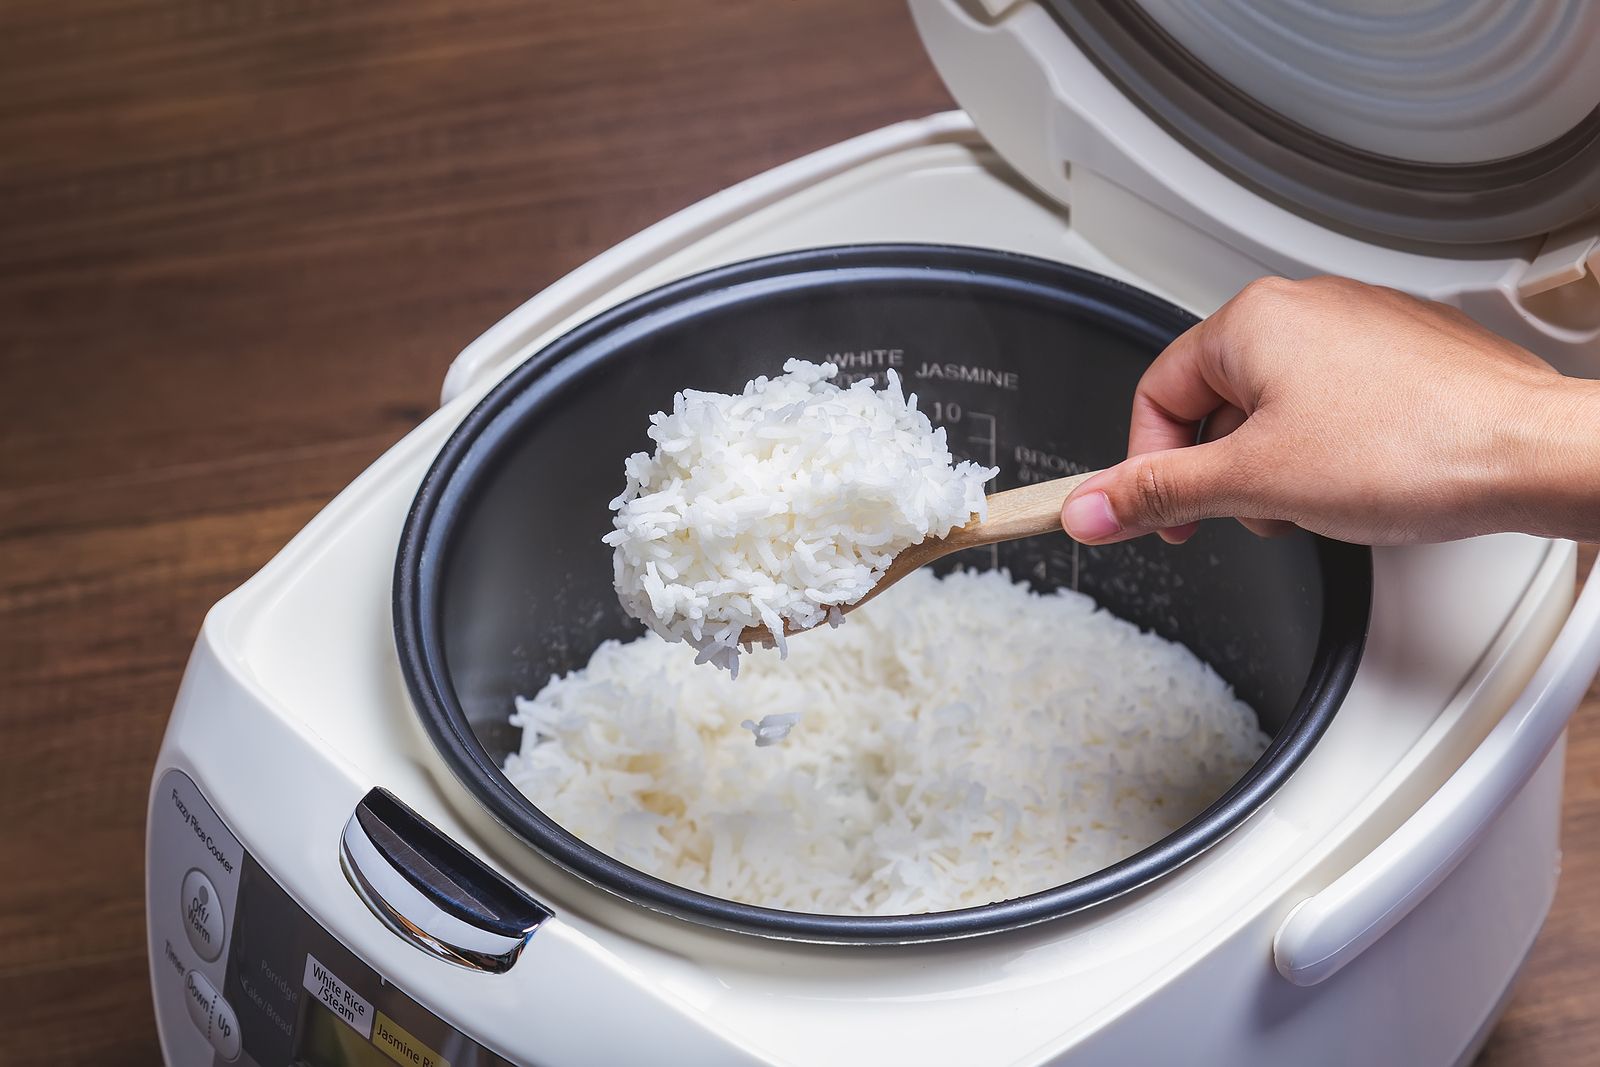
{"x":396,"y":1043}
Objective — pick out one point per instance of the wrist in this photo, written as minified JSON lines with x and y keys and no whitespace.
{"x":1560,"y":476}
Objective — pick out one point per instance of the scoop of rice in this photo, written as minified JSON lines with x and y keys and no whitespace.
{"x":965,"y":740}
{"x":779,"y":505}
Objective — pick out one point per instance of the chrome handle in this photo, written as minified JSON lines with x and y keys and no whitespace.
{"x":431,"y":891}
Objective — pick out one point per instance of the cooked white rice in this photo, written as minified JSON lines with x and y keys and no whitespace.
{"x":964,"y":741}
{"x":779,"y":505}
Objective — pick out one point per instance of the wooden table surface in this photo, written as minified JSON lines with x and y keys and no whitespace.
{"x":239,"y":243}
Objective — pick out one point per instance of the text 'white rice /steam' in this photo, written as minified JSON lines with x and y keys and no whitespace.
{"x":965,"y":740}
{"x":779,"y":505}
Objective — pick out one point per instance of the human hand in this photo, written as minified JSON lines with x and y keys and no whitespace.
{"x":1352,"y":411}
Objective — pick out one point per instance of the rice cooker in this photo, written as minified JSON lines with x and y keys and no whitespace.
{"x":338,"y":873}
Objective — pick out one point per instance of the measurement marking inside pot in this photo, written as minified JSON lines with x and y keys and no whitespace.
{"x":992,"y":441}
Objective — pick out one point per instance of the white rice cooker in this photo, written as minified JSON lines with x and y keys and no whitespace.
{"x":336,"y":877}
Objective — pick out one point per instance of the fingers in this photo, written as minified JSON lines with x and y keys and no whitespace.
{"x":1221,"y":422}
{"x":1176,"y":402}
{"x":1185,"y":385}
{"x":1188,"y":394}
{"x":1163,"y":491}
{"x":1268,"y":527}
{"x":1177,"y":535}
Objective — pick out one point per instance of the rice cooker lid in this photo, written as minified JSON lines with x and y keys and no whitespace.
{"x":1458,"y":122}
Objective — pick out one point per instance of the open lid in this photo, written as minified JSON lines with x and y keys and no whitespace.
{"x":1456,"y":122}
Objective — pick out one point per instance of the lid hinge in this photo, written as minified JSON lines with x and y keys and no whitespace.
{"x":1567,"y":256}
{"x":991,"y":11}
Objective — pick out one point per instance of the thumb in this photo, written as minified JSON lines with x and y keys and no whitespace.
{"x":1151,"y":492}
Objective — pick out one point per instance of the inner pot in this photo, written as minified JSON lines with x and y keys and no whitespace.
{"x":1030,"y":365}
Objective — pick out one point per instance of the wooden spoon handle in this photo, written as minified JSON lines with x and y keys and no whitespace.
{"x":1026,"y":511}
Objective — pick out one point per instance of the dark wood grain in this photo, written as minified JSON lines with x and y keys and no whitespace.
{"x":239,"y":244}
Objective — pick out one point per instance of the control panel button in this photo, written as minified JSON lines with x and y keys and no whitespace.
{"x":225,"y":1030}
{"x":202,"y":915}
{"x":212,"y":1016}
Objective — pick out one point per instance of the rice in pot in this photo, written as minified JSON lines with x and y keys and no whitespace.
{"x":964,"y":740}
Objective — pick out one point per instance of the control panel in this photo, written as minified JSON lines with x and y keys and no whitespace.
{"x":243,"y":975}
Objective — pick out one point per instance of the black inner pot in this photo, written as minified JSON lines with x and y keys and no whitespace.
{"x":502,"y":580}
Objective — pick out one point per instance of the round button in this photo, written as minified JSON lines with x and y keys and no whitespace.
{"x":202,"y":915}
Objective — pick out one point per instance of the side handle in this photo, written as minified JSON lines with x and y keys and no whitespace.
{"x":431,"y":891}
{"x":1327,"y":931}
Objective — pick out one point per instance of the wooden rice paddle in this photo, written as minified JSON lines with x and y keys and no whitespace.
{"x":1027,"y":511}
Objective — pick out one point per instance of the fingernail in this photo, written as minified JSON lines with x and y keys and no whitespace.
{"x":1089,"y":517}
